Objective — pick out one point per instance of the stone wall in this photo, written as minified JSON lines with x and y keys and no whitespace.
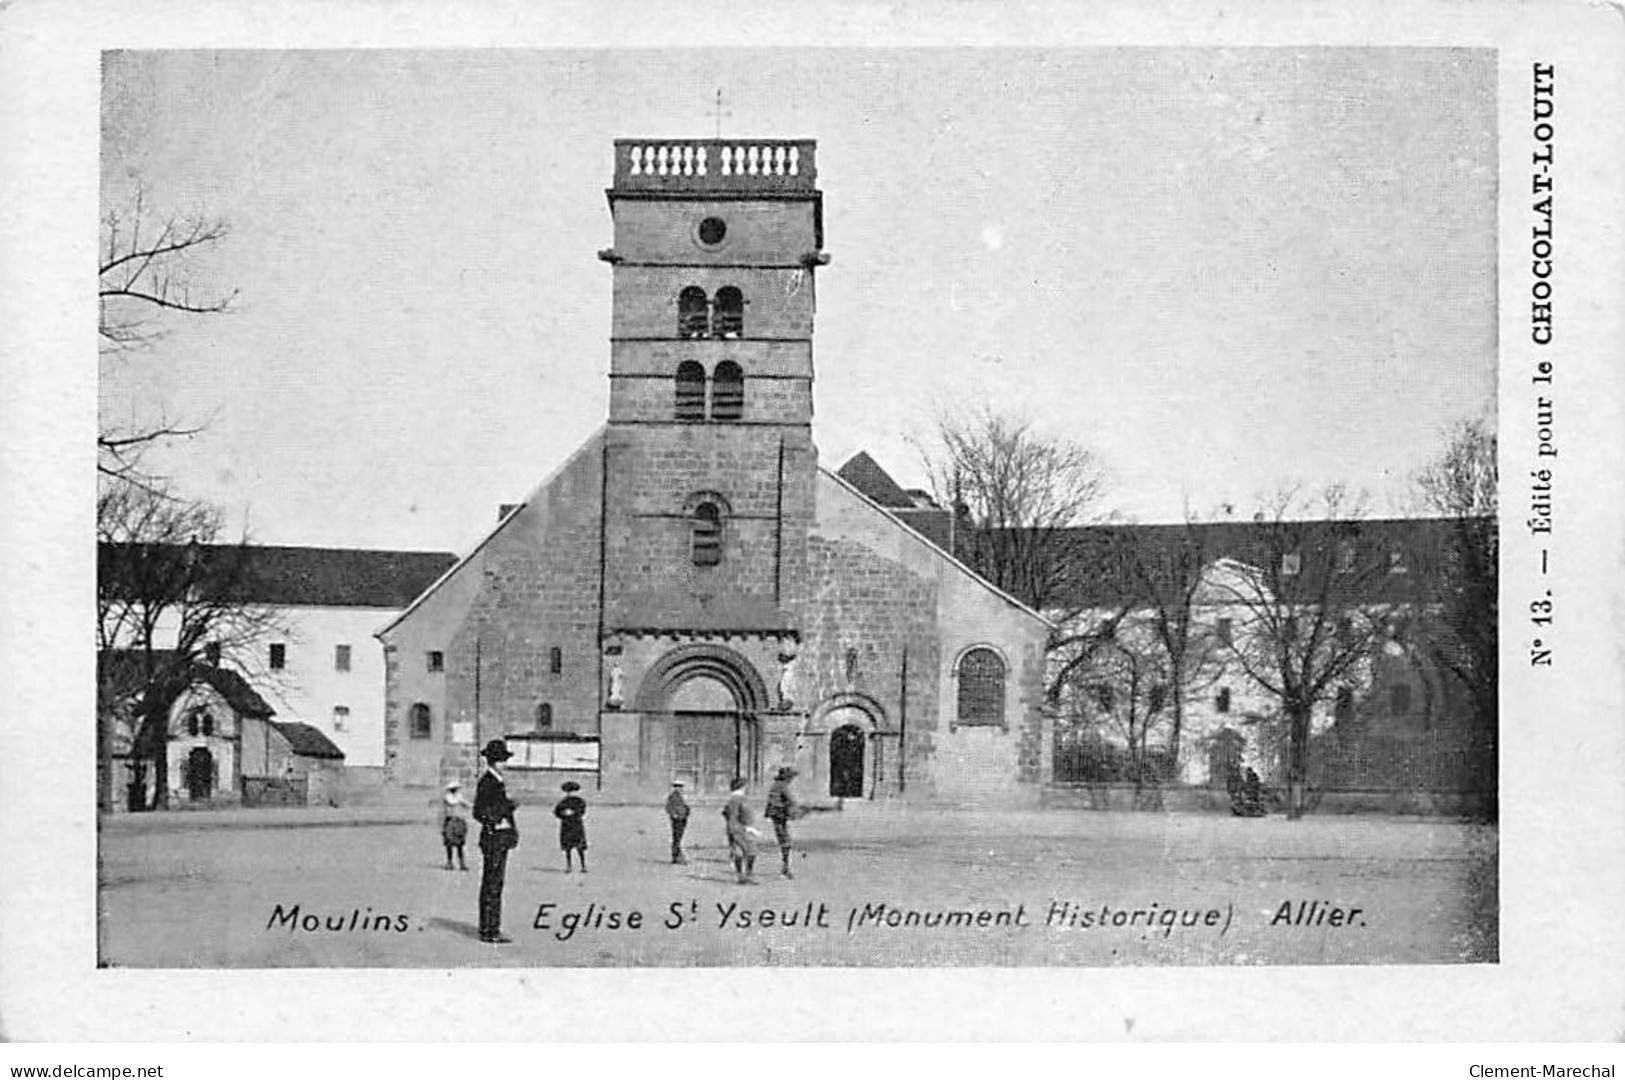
{"x":956,"y":611}
{"x":533,"y":586}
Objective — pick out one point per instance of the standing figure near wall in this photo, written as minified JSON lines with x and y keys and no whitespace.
{"x":781,"y":807}
{"x":498,"y":836}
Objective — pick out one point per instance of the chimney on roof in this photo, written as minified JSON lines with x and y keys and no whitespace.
{"x":505,"y":509}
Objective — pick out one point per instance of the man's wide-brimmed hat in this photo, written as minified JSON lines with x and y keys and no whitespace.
{"x":452,"y":785}
{"x":571,"y":785}
{"x":496,"y":750}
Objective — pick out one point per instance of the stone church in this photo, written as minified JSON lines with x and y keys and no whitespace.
{"x":691,"y":595}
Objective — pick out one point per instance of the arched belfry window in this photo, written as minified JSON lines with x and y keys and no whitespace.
{"x":690,"y":391}
{"x":728,"y":392}
{"x":707,"y":538}
{"x":730,"y":314}
{"x":981,"y":689}
{"x":692,"y":314}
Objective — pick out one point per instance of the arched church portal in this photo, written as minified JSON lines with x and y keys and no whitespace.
{"x":859,"y":751}
{"x":700,"y":727}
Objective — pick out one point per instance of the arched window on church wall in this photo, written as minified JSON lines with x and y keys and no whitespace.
{"x":730,"y":313}
{"x":692,"y":313}
{"x":728,"y":392}
{"x":707,"y":534}
{"x":981,"y":688}
{"x":421,"y":728}
{"x":690,"y":391}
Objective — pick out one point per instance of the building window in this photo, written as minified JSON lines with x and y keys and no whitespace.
{"x":1104,"y":698}
{"x":341,"y":658}
{"x":208,"y":723}
{"x":707,"y":540}
{"x":1157,"y":698}
{"x":981,"y":688}
{"x":728,"y":392}
{"x":692,"y":314}
{"x":341,"y":717}
{"x":1396,"y":563}
{"x":712,"y":230}
{"x":555,"y":661}
{"x":1227,"y":631}
{"x":422,"y":724}
{"x":279,"y":656}
{"x":1289,"y":629}
{"x":1291,"y":564}
{"x":436,"y":661}
{"x":544,"y":716}
{"x":1399,"y":699}
{"x":730,"y":313}
{"x":1222,"y":701}
{"x":690,"y":391}
{"x":1345,"y":556}
{"x":191,"y":724}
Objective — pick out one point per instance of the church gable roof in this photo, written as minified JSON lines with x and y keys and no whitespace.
{"x":927,"y":543}
{"x":511,"y":513}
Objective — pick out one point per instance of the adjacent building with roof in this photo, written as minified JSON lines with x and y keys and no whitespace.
{"x":327,"y":671}
{"x":320,"y":668}
{"x":691,"y":594}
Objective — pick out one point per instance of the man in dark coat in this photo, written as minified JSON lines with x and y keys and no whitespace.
{"x":498,"y":836}
{"x":677,"y":811}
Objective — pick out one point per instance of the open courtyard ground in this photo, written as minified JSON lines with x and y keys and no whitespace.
{"x":874,"y":885}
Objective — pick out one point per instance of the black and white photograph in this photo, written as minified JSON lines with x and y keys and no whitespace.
{"x":953,"y":507}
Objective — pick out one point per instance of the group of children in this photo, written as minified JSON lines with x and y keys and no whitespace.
{"x":572,"y":814}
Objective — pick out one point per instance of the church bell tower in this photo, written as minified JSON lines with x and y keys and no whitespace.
{"x":709,"y":465}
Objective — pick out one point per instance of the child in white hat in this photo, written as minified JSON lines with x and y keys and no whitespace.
{"x":454,"y":823}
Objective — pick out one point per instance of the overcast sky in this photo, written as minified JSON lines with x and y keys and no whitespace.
{"x":1219,"y":270}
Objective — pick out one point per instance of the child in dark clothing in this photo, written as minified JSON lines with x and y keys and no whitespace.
{"x":572,"y":813}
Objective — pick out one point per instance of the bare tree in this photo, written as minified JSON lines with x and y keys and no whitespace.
{"x":1307,"y":625}
{"x":1461,"y":486}
{"x":1018,"y":495}
{"x":1123,"y":686}
{"x":1167,"y":570}
{"x":147,"y":273}
{"x":169,"y":598}
{"x":1021,"y":500}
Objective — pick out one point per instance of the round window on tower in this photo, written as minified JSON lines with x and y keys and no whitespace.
{"x":711,"y":231}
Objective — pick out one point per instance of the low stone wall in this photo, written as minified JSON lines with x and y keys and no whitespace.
{"x":1186,"y":799}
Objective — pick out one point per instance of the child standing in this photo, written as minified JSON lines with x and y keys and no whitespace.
{"x":454,"y":823}
{"x":741,"y":833}
{"x":677,"y":811}
{"x":572,"y":814}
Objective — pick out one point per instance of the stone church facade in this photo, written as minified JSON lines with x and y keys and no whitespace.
{"x":691,"y":595}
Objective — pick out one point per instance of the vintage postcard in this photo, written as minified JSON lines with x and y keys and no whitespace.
{"x":1064,"y":514}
